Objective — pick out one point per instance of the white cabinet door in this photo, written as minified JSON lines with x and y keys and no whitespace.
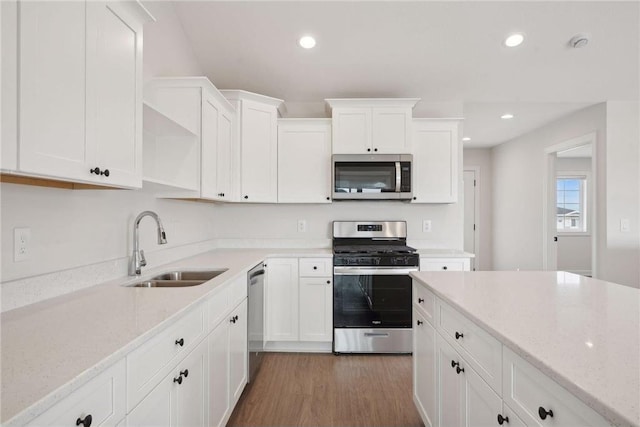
{"x":219,"y":374}
{"x":158,"y":408}
{"x":281,"y":296}
{"x":425,"y":382}
{"x":52,"y":53}
{"x":351,"y":130}
{"x":209,"y":148}
{"x":259,"y":162}
{"x":435,"y":150}
{"x":238,"y":352}
{"x":391,"y":130}
{"x":451,"y":385}
{"x":224,"y":159}
{"x":114,"y":92}
{"x":316,"y":309}
{"x":482,"y":405}
{"x":445,"y":264}
{"x":304,"y":161}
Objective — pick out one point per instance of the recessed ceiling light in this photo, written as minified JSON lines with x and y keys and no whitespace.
{"x":514,"y":40}
{"x":507,"y":116}
{"x":466,"y":139}
{"x":307,"y":42}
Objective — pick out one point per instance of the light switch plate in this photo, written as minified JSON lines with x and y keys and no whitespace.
{"x":625,"y":225}
{"x":426,"y":226}
{"x":302,"y":226}
{"x":21,"y":240}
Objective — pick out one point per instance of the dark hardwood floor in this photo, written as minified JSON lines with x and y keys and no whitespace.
{"x":302,"y":389}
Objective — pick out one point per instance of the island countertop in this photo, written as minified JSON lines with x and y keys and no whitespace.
{"x":581,"y":332}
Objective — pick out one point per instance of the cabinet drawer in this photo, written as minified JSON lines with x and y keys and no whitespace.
{"x":425,"y":301}
{"x":102,"y":398}
{"x":480,"y":349}
{"x":148,"y":364}
{"x":526,"y":390}
{"x":444,"y":264}
{"x":314,"y":267}
{"x":218,"y":307}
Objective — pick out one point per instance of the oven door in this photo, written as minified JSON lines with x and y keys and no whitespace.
{"x":367,"y":297}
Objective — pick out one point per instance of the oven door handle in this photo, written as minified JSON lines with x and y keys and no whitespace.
{"x":362,"y":271}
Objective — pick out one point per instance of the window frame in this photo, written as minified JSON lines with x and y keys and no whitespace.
{"x":585,"y":200}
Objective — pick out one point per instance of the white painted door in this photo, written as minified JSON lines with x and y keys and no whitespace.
{"x":470,"y":221}
{"x":158,"y":408}
{"x":238,"y":352}
{"x":482,"y":404}
{"x":425,"y":369}
{"x":209,"y":148}
{"x":259,"y":153}
{"x":192,"y":400}
{"x":451,"y":385}
{"x":435,"y":161}
{"x":391,"y":130}
{"x":219,"y":374}
{"x":351,"y":132}
{"x":281,"y":299}
{"x":316,"y":309}
{"x":114,"y":93}
{"x":223,"y":170}
{"x":52,"y":37}
{"x":304,"y":161}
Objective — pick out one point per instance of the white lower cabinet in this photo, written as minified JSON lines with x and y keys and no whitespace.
{"x":281,"y":299}
{"x":445,"y":264}
{"x":181,"y":398}
{"x":227,"y":365}
{"x":424,"y":369}
{"x":100,"y":402}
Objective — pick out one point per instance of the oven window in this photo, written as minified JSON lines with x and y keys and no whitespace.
{"x":371,"y":301}
{"x":368,"y":177}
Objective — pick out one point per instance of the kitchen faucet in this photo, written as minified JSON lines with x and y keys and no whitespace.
{"x":137,"y":258}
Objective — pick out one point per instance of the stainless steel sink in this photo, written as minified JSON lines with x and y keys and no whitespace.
{"x":179,"y":279}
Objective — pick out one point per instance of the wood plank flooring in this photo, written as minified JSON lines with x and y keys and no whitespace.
{"x":302,"y":389}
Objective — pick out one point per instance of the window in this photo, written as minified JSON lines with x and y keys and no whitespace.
{"x":571,"y":204}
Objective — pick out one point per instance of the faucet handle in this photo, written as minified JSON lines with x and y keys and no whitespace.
{"x":143,"y":261}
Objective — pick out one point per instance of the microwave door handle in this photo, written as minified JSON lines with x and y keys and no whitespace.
{"x":398,"y":177}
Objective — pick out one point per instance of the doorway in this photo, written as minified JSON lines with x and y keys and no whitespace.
{"x":569,"y":223}
{"x":471,"y":214}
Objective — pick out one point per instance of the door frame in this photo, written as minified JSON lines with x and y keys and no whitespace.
{"x":549,"y":251}
{"x":476,"y":213}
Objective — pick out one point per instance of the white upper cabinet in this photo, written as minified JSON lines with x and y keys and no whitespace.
{"x":79,"y":94}
{"x":304,"y":161}
{"x":370,"y":126}
{"x":187,"y":140}
{"x":256,"y":150}
{"x":435,"y":160}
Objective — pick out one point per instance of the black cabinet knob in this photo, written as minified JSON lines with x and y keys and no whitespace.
{"x":185,"y":373}
{"x":375,"y":149}
{"x":420,"y":300}
{"x":328,"y":282}
{"x":459,"y":369}
{"x":459,"y":335}
{"x":105,"y":173}
{"x":454,"y":364}
{"x":246,"y":197}
{"x":315,"y":267}
{"x":419,"y":322}
{"x":232,"y":320}
{"x":86,"y":422}
{"x":369,"y":149}
{"x":328,"y":198}
{"x":178,"y":380}
{"x":543,"y":413}
{"x":444,"y":268}
{"x":415,"y":198}
{"x":236,"y":317}
{"x":95,"y":170}
{"x":180,"y":342}
{"x":502,"y":420}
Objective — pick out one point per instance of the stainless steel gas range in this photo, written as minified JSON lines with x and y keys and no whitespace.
{"x":372,"y":287}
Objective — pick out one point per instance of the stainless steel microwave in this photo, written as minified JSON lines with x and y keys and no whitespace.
{"x":372,"y":176}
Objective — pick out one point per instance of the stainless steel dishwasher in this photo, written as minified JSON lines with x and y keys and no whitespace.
{"x":255,"y":316}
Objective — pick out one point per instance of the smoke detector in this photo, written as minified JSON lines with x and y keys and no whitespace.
{"x":579,"y":40}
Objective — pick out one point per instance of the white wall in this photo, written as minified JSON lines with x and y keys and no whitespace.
{"x":481,"y":158}
{"x":518,"y":168}
{"x":76,"y":228}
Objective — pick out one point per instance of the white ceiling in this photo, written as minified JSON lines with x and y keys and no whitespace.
{"x":450,"y":54}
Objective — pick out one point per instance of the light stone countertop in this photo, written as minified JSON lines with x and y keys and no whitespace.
{"x":583,"y":333}
{"x":51,"y":348}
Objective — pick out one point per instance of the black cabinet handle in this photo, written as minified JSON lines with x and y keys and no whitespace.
{"x":105,"y":173}
{"x":415,"y":198}
{"x":86,"y":422}
{"x":419,"y":322}
{"x":459,"y":335}
{"x":180,"y":342}
{"x":328,"y":198}
{"x":185,"y":373}
{"x":459,"y":369}
{"x":454,"y":364}
{"x":420,"y":300}
{"x":178,"y":380}
{"x":328,"y":282}
{"x":232,"y":320}
{"x":315,"y":267}
{"x":95,"y":170}
{"x":369,"y":149}
{"x":246,"y":197}
{"x":444,"y":268}
{"x":375,"y":149}
{"x":236,"y":317}
{"x":502,"y":420}
{"x":543,"y":413}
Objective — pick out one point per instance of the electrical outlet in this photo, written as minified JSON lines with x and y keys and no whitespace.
{"x":21,"y":239}
{"x":302,"y":226}
{"x":625,"y":225}
{"x":426,"y":226}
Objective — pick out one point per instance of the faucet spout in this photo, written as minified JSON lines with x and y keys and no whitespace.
{"x":137,"y":258}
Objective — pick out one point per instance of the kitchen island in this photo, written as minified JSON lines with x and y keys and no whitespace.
{"x":522,"y":335}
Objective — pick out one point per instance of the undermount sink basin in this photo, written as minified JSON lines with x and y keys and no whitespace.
{"x":179,"y":279}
